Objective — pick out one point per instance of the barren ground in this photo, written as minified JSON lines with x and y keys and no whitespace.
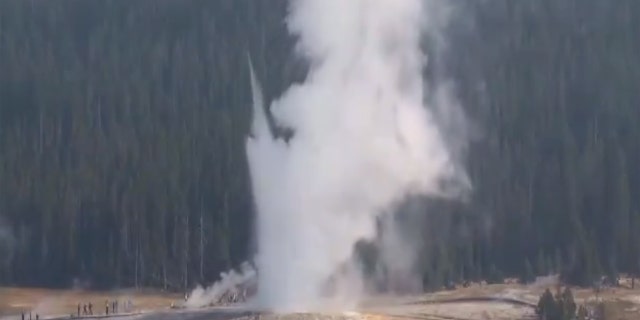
{"x":505,"y":301}
{"x":65,"y":302}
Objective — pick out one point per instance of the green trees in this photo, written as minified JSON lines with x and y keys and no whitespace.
{"x":122,"y":143}
{"x":122,"y":131}
{"x":557,"y":133}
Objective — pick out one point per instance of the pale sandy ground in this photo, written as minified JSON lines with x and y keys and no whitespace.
{"x":625,"y":304}
{"x":622,"y":303}
{"x":65,"y":302}
{"x":458,"y":310}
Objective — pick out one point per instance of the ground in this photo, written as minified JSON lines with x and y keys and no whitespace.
{"x":65,"y":302}
{"x":504,"y":301}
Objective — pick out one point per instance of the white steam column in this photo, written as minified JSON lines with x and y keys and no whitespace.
{"x":363,"y":140}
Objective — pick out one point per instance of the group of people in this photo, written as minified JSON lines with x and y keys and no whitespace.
{"x":110,"y":307}
{"x":87,"y":309}
{"x":30,"y":317}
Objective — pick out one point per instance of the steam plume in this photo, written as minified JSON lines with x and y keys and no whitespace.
{"x":363,"y":141}
{"x":229,"y":283}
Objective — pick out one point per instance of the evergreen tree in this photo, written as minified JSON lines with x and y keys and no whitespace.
{"x":529,"y":276}
{"x":541,"y":264}
{"x":546,"y":308}
{"x":568,"y":305}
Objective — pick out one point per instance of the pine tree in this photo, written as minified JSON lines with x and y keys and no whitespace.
{"x":568,"y":305}
{"x":528,"y":276}
{"x":541,"y":264}
{"x":546,"y":307}
{"x":558,"y":261}
{"x":495,"y":276}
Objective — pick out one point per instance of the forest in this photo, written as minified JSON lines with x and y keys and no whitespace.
{"x":123,"y":127}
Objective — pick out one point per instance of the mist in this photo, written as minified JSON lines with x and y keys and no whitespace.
{"x":364,"y":140}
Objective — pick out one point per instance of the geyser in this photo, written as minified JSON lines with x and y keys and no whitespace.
{"x":363,"y":140}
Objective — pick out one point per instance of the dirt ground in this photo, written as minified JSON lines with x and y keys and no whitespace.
{"x":621,"y":303}
{"x":64,"y":302}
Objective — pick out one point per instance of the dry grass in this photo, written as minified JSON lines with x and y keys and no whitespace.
{"x":531,"y":293}
{"x":63,"y":302}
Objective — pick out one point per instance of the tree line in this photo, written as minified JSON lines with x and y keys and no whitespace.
{"x":122,"y":130}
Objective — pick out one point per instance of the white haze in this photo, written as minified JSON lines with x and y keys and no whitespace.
{"x":363,"y":141}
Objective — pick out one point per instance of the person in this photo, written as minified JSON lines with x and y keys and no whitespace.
{"x":84,"y":309}
{"x":106,"y":307}
{"x":90,"y":308}
{"x":78,"y":310}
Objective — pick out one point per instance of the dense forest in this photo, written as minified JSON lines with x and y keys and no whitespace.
{"x":123,"y":126}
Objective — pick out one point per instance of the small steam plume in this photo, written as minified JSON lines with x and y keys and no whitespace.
{"x":363,"y":141}
{"x":230,"y":283}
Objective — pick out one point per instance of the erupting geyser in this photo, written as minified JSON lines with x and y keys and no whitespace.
{"x":363,"y":140}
